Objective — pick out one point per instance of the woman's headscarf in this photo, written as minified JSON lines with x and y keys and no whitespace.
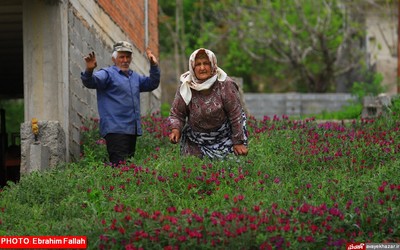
{"x":189,"y":80}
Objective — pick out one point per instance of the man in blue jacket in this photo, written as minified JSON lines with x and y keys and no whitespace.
{"x":118,"y":98}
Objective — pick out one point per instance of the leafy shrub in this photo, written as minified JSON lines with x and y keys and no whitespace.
{"x":373,"y":88}
{"x":93,"y":146}
{"x":352,"y":111}
{"x":165,"y":107}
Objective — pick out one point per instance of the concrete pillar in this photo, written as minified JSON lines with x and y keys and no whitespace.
{"x":39,"y":157}
{"x":49,"y":149}
{"x":46,"y":81}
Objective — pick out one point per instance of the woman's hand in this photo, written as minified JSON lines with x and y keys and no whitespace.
{"x":175,"y":136}
{"x":240,"y":149}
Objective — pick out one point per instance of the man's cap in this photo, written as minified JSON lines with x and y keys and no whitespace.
{"x":123,"y":46}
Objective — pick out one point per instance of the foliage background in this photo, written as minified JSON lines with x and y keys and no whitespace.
{"x":14,"y":116}
{"x":275,"y":46}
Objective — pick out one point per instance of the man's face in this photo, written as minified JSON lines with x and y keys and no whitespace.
{"x":202,"y":68}
{"x":123,"y":60}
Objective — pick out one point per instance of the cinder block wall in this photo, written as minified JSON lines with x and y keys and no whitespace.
{"x":83,"y":102}
{"x":294,"y":104}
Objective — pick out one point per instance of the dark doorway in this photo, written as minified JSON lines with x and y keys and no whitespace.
{"x":11,"y":49}
{"x":11,"y":89}
{"x":11,"y":116}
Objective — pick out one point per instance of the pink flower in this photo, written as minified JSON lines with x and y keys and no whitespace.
{"x":309,"y":239}
{"x":286,"y":228}
{"x":304,"y":208}
{"x":253,"y":227}
{"x":271,"y":228}
{"x":166,"y":227}
{"x":182,"y":238}
{"x":348,"y":204}
{"x":119,"y":208}
{"x":171,"y":210}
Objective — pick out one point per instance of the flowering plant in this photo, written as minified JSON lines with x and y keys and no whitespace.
{"x":304,"y":185}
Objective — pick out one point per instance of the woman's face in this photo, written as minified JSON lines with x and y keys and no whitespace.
{"x":202,"y":68}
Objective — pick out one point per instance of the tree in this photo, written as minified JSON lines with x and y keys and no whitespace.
{"x":316,"y":39}
{"x":173,"y":22}
{"x":295,"y":45}
{"x":184,"y":27}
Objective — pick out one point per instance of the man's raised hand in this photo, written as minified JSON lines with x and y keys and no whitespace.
{"x":91,"y":62}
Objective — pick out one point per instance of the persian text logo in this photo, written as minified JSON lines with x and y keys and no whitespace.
{"x":356,"y":246}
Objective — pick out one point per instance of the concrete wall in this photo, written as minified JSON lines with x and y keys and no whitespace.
{"x":381,"y":41}
{"x":294,"y":104}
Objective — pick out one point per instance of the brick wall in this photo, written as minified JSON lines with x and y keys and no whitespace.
{"x":130,"y":17}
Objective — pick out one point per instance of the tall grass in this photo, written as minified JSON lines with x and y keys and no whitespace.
{"x":304,"y":185}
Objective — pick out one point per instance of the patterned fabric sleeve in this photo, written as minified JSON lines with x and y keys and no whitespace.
{"x":178,"y":113}
{"x":234,"y":110}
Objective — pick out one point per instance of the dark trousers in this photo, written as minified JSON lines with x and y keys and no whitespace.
{"x":120,"y":147}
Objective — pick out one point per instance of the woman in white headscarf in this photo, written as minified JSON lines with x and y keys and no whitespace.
{"x":207,"y":116}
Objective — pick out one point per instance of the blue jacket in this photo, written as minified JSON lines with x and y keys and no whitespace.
{"x":118,"y":97}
